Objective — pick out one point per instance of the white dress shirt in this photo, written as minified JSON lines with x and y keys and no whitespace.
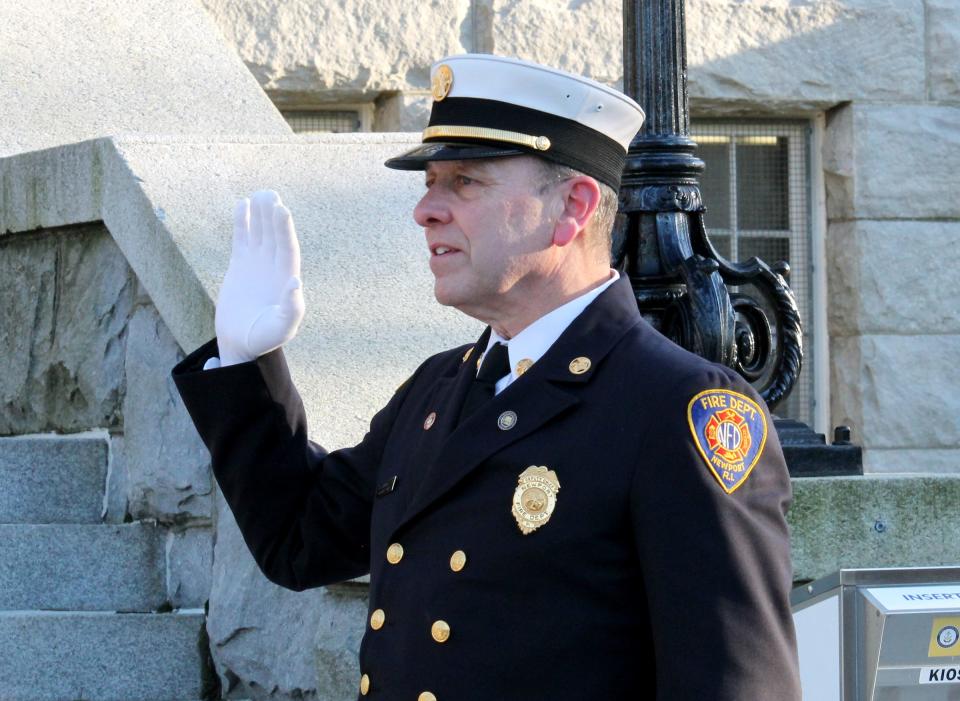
{"x":531,"y":343}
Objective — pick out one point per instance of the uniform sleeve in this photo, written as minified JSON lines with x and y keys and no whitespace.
{"x":715,"y":551}
{"x":304,"y":513}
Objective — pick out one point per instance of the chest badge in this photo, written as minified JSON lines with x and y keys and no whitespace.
{"x":535,"y":498}
{"x":729,"y":430}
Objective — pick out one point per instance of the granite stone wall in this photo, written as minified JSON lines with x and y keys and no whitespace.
{"x":86,"y":350}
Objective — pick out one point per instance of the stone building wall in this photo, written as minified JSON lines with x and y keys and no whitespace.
{"x":878,"y":78}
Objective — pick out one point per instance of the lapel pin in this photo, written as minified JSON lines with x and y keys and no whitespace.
{"x":523,"y":366}
{"x":580,"y":365}
{"x":507,"y":420}
{"x":467,"y":354}
{"x":429,"y":421}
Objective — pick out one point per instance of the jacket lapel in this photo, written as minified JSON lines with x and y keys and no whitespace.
{"x":546,"y":390}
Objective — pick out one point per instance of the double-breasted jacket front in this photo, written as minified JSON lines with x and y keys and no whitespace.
{"x":645,"y":576}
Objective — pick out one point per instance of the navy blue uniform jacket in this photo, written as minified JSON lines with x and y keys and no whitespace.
{"x":649,"y":581}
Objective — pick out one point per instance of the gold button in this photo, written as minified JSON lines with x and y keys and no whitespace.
{"x":440,"y":631}
{"x":458,"y":560}
{"x":580,"y":365}
{"x":377,"y":619}
{"x":394,"y":553}
{"x":426,"y":696}
{"x":364,"y":684}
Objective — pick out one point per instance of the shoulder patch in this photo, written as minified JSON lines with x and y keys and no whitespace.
{"x":729,"y":430}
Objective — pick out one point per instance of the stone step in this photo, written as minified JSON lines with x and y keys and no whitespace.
{"x":104,"y":567}
{"x":52,"y":479}
{"x":65,"y":656}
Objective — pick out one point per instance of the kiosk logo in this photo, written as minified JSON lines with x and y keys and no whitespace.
{"x":945,"y":637}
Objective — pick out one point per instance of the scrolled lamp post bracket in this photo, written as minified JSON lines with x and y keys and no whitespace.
{"x":660,"y":241}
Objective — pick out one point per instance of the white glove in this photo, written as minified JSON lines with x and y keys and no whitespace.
{"x":260,"y":306}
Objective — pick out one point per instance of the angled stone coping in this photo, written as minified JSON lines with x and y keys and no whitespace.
{"x":904,"y":520}
{"x":168,"y":201}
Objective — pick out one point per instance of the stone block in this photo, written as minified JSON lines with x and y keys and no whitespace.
{"x":67,"y":298}
{"x":943,"y":50}
{"x":931,"y":461}
{"x":888,"y":277}
{"x":52,"y":479}
{"x":839,"y":162}
{"x":112,"y":567}
{"x":584,"y":37}
{"x":405,"y":111}
{"x":769,"y":54}
{"x":262,"y":637}
{"x":189,"y":554}
{"x":897,"y":392}
{"x":115,"y":503}
{"x":343,"y":616}
{"x":872,"y":521}
{"x":893,"y":162}
{"x":58,"y":655}
{"x":350,"y":47}
{"x":167,"y":466}
{"x":79,"y":70}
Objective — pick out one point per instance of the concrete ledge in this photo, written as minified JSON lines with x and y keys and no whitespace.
{"x":168,"y":202}
{"x":873,"y":521}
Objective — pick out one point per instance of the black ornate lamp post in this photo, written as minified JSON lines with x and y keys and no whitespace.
{"x":741,"y":315}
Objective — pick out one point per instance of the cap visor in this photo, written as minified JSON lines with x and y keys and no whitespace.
{"x":417,"y":158}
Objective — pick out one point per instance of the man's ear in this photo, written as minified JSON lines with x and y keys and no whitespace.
{"x":581,"y":196}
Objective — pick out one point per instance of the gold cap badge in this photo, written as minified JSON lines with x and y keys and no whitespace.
{"x":535,"y":498}
{"x":442,"y":82}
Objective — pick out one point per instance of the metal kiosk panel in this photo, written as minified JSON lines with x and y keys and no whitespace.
{"x":880,"y":635}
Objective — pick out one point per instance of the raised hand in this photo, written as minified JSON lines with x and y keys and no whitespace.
{"x":261,"y":301}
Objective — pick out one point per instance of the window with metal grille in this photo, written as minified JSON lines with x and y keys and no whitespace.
{"x":756,"y":189}
{"x":324,"y":121}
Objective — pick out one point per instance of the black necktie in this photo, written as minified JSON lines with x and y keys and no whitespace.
{"x":496,"y":364}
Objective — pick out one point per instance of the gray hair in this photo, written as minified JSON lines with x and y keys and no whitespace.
{"x":600,"y":227}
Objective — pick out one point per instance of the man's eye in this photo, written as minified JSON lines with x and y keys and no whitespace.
{"x":465,"y":180}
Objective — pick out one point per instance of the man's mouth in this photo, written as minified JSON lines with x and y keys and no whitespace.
{"x":442,"y":250}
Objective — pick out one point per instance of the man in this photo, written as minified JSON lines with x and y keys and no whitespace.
{"x":572,"y":507}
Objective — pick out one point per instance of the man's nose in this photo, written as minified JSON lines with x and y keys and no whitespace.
{"x":431,"y":209}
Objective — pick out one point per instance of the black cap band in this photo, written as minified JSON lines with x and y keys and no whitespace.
{"x":570,"y":143}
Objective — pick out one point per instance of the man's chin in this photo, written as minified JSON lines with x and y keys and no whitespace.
{"x":447,"y":297}
{"x":444,"y":295}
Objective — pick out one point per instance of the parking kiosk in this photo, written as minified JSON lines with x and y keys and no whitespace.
{"x":880,"y":635}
